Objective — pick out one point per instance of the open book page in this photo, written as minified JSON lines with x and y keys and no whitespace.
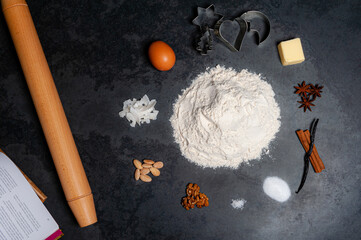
{"x":22,"y":214}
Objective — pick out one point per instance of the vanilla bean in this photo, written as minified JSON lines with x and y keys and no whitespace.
{"x":308,"y":154}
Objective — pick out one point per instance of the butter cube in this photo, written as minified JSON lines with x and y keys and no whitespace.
{"x":291,"y":52}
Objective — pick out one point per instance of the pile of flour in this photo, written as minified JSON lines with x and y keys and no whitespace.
{"x":225,"y":118}
{"x":238,"y":203}
{"x":277,"y":189}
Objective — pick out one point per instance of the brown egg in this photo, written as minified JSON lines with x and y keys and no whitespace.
{"x":161,"y":55}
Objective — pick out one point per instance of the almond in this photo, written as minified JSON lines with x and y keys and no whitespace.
{"x":146,"y":165}
{"x":155,"y":171}
{"x":158,"y":165}
{"x":137,"y":164}
{"x":148,"y":161}
{"x":144,"y":171}
{"x":137,"y":174}
{"x":145,"y":178}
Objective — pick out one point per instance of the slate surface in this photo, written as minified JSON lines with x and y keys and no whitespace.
{"x":97,"y":53}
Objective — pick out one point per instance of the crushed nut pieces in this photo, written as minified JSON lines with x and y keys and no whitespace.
{"x":143,"y":169}
{"x":194,"y":197}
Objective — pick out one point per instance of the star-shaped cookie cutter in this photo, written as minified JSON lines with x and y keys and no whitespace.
{"x":207,"y":17}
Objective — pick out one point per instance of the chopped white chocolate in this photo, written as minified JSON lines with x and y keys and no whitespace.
{"x":141,"y":111}
{"x":291,"y":52}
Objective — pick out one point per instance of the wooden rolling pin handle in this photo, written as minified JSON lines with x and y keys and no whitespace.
{"x":50,"y":111}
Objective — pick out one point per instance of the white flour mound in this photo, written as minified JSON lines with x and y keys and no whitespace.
{"x":225,"y":118}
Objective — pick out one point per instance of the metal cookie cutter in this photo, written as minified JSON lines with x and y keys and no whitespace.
{"x":205,"y":42}
{"x":245,"y":23}
{"x":206,"y":19}
{"x":252,"y":15}
{"x":238,"y":42}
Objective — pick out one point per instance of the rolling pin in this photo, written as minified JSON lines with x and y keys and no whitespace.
{"x":50,"y":111}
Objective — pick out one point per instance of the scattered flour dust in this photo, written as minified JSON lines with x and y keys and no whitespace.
{"x":238,"y":203}
{"x":225,"y":118}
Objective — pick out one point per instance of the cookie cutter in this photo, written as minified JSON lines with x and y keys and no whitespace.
{"x":251,"y":15}
{"x":242,"y":32}
{"x":205,"y":20}
{"x":205,"y":42}
{"x":245,"y":23}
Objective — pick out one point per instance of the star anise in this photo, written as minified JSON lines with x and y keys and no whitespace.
{"x":303,"y":89}
{"x":315,"y":90}
{"x":306,"y":103}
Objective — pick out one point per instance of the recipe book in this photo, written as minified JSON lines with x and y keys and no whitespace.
{"x":22,"y":214}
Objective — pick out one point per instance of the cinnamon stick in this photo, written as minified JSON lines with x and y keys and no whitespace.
{"x":303,"y":139}
{"x":318,"y":159}
{"x":38,"y":192}
{"x":314,"y":158}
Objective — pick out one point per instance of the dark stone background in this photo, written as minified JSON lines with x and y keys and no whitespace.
{"x":97,"y":51}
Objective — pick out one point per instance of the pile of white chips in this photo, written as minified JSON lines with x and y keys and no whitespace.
{"x":139,"y":111}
